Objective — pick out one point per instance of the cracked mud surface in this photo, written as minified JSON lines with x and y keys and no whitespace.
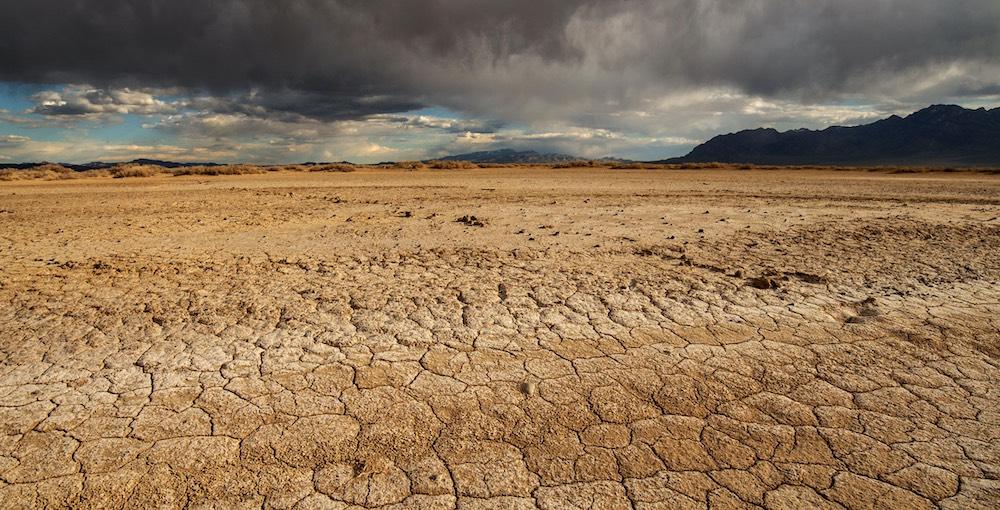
{"x":604,"y":339}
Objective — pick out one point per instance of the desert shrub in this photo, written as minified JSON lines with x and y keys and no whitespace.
{"x":219,"y":170}
{"x":451,"y":165}
{"x":576,"y":164}
{"x":410,"y":165}
{"x":702,"y":166}
{"x":99,"y":172}
{"x":124,"y":171}
{"x":13,"y":174}
{"x":332,"y":167}
{"x":636,"y":165}
{"x":629,"y":166}
{"x":288,"y":168}
{"x":60,"y":172}
{"x":47,"y":172}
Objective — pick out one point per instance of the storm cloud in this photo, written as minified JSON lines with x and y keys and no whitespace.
{"x":639,"y":78}
{"x":335,"y":59}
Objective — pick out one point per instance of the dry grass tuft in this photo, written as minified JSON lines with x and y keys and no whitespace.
{"x":452,"y":165}
{"x":124,"y":171}
{"x":332,"y":167}
{"x":220,"y":170}
{"x":579,"y":164}
{"x":47,"y":172}
{"x":409,"y":165}
{"x":635,"y":165}
{"x":498,"y":165}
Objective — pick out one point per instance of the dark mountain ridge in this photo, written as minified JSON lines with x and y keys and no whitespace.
{"x":511,"y":156}
{"x":935,"y":136}
{"x":99,"y":165}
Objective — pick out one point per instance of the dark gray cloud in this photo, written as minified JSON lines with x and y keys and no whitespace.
{"x":454,"y":126}
{"x":330,"y":59}
{"x":529,"y":60}
{"x":291,"y":104}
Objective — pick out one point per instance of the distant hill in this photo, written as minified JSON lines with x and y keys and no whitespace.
{"x":98,"y":165}
{"x":935,"y":136}
{"x":511,"y":156}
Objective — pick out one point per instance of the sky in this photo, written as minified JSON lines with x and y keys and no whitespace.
{"x":267,"y":81}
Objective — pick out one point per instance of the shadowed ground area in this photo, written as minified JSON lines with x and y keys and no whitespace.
{"x":502,"y":338}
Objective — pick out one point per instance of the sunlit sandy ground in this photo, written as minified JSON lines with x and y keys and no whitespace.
{"x":582,"y":339}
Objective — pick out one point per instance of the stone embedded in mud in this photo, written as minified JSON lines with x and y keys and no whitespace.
{"x":869,"y":308}
{"x":763,"y":283}
{"x":529,"y":388}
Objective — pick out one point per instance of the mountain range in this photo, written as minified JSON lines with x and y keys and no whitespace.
{"x":511,"y":156}
{"x":940,"y":135}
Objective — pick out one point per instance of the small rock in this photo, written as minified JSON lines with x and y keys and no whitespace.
{"x":869,"y":311}
{"x":529,"y":388}
{"x":763,"y":283}
{"x":471,"y":221}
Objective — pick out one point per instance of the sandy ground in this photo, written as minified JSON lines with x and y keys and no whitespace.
{"x":591,"y":339}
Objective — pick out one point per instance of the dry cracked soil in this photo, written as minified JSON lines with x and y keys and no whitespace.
{"x":502,"y":338}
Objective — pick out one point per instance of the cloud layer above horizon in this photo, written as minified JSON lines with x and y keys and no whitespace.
{"x":259,"y":80}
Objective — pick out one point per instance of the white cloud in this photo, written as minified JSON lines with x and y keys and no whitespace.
{"x":13,"y":140}
{"x":89,"y":102}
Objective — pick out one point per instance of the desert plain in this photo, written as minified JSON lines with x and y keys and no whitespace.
{"x":502,"y":338}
